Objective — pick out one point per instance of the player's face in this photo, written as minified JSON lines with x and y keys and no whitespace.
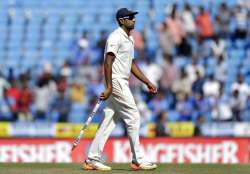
{"x":129,"y":22}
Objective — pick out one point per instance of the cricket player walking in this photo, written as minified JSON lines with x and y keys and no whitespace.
{"x":118,"y":65}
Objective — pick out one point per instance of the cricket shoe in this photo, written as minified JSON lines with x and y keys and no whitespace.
{"x":95,"y":165}
{"x":143,"y":166}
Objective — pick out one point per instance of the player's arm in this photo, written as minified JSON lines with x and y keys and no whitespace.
{"x":108,"y":61}
{"x":138,"y":74}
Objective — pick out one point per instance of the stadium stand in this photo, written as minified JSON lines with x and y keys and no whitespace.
{"x":51,"y":54}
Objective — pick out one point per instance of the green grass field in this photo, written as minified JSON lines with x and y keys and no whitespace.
{"x":124,"y":168}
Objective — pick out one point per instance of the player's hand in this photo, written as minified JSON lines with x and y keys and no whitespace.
{"x":105,"y":94}
{"x":152,"y":88}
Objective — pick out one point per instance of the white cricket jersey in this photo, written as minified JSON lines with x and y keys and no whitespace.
{"x":122,"y":46}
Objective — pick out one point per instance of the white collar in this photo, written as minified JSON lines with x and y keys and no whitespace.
{"x":123,"y":32}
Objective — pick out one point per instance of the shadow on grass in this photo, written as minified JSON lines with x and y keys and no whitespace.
{"x":122,"y":169}
{"x":113,"y":169}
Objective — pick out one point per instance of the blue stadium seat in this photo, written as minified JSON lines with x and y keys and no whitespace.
{"x":77,"y":113}
{"x":70,"y":20}
{"x":12,"y":62}
{"x":47,"y":53}
{"x":32,"y":45}
{"x":240,"y":44}
{"x":4,"y":4}
{"x":173,"y":116}
{"x":180,"y":62}
{"x":2,"y":56}
{"x":29,"y":62}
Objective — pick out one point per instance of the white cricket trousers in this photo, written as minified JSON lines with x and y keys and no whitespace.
{"x":120,"y":104}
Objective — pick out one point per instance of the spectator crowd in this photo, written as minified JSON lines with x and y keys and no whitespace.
{"x":201,"y":68}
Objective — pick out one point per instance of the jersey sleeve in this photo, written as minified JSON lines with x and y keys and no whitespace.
{"x":112,"y":44}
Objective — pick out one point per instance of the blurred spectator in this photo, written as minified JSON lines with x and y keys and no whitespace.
{"x":191,"y":69}
{"x":102,"y":41}
{"x":77,"y":93}
{"x":203,"y":49}
{"x":134,"y":83}
{"x":166,"y":40}
{"x":197,"y":86}
{"x":183,"y":85}
{"x":101,"y":44}
{"x":221,"y":70}
{"x":188,"y":21}
{"x":138,"y":38}
{"x":66,"y":69}
{"x":184,"y":107}
{"x":26,"y":99}
{"x":170,"y":8}
{"x":236,"y":105}
{"x":15,"y":93}
{"x":91,"y":104}
{"x":62,"y":84}
{"x":153,"y":71}
{"x":83,"y":52}
{"x":7,"y":106}
{"x":242,"y":87}
{"x":61,"y":107}
{"x":48,"y":79}
{"x":10,"y":76}
{"x":217,"y":46}
{"x":139,"y":42}
{"x":4,"y":84}
{"x":241,"y":22}
{"x":170,"y":74}
{"x":158,"y":103}
{"x":200,"y":120}
{"x":44,"y":92}
{"x":201,"y":106}
{"x":95,"y":87}
{"x":246,"y":110}
{"x":184,"y":48}
{"x":41,"y":99}
{"x":146,"y":113}
{"x":222,"y":110}
{"x":222,"y":21}
{"x":204,"y":24}
{"x":206,"y":105}
{"x":175,"y":27}
{"x":83,"y":42}
{"x":87,"y":73}
{"x":211,"y":87}
{"x":161,"y":124}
